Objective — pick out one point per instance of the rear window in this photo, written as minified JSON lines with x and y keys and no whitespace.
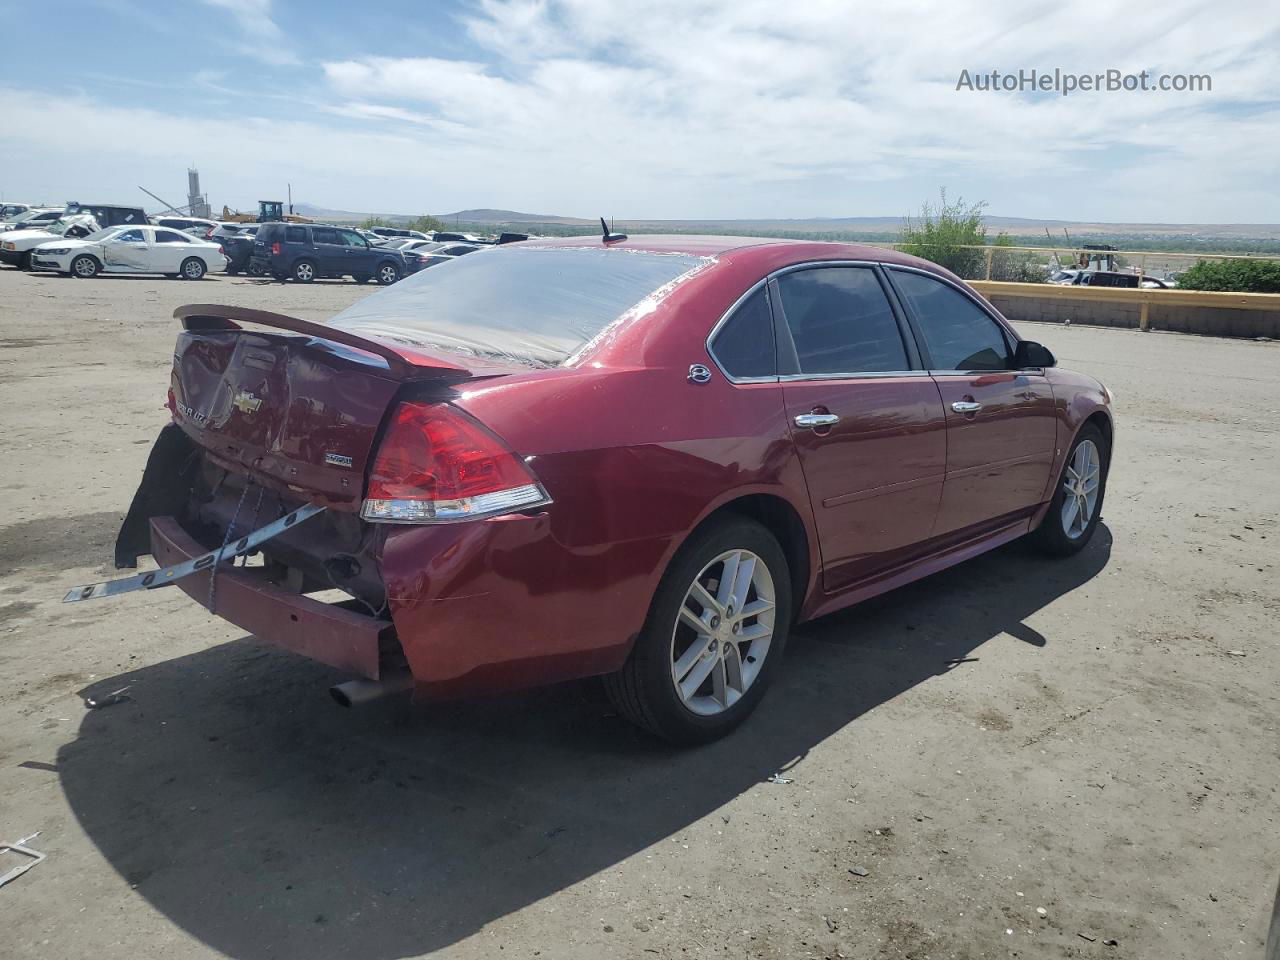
{"x":532,"y":306}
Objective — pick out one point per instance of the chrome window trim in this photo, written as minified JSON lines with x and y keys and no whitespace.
{"x":866,"y":375}
{"x":724,"y":318}
{"x":798,"y":377}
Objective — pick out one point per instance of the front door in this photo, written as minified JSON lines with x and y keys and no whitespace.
{"x":867,"y":423}
{"x":128,"y":252}
{"x":1001,"y":421}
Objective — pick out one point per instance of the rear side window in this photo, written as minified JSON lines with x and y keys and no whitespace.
{"x":324,"y":235}
{"x":744,"y":345}
{"x":295,"y":235}
{"x":839,"y":321}
{"x":169,"y":236}
{"x":958,"y":334}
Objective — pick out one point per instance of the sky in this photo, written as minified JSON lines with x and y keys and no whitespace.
{"x":681,"y":109}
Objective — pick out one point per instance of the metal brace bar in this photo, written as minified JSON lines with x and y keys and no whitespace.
{"x":20,"y":847}
{"x":162,"y":578}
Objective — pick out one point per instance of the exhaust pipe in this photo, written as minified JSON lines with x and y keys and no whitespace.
{"x":355,"y":693}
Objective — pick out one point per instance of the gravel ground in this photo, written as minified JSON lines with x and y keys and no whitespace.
{"x":1101,"y":766}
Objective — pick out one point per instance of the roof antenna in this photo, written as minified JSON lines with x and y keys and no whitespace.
{"x":610,"y":237}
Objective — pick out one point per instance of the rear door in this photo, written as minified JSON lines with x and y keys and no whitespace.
{"x":866,"y":420}
{"x":169,"y":250}
{"x":1001,"y":422}
{"x":331,"y":253}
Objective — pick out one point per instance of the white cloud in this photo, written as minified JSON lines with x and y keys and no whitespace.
{"x":739,"y":108}
{"x":721,"y":100}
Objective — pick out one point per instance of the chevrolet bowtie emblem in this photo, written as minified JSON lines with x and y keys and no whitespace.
{"x":246,"y":402}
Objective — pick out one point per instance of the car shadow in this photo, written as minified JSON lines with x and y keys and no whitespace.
{"x":266,"y":822}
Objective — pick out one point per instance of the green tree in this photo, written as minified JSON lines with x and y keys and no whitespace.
{"x":1235,"y":275}
{"x":942,"y":232}
{"x":426,"y":224}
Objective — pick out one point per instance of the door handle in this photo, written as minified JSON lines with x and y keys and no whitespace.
{"x":814,"y":421}
{"x":966,"y":406}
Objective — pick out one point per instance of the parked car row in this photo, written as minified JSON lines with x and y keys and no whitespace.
{"x":84,"y":240}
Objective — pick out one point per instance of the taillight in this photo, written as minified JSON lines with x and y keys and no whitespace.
{"x":221,"y":251}
{"x":436,"y":465}
{"x":275,"y":249}
{"x":208,"y":234}
{"x":171,"y":402}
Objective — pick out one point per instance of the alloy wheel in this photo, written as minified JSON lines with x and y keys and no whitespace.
{"x":304,"y":271}
{"x":388,"y":274}
{"x":194,"y":270}
{"x":85,"y":267}
{"x":1080,"y":482}
{"x":723,"y":631}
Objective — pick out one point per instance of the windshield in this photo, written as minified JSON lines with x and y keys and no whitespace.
{"x":100,"y":235}
{"x":530,"y":306}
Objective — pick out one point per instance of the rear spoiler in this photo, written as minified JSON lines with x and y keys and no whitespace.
{"x":212,"y":316}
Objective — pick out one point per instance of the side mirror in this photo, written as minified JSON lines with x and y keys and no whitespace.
{"x":1031,"y":354}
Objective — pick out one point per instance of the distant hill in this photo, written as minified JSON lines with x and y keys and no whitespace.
{"x":871,"y":227}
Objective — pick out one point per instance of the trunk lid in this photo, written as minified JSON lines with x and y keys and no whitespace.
{"x":298,"y":411}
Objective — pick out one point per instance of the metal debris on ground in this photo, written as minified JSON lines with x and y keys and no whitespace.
{"x":110,"y":700}
{"x":959,"y":660}
{"x":779,"y":778}
{"x":1085,"y":936}
{"x":860,"y":871}
{"x":20,"y":847}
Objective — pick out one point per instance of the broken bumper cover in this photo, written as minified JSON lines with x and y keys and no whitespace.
{"x":331,"y":634}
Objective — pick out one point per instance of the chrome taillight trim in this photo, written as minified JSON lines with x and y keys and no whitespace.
{"x":486,"y":505}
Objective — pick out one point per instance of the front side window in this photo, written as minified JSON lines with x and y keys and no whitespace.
{"x":352,"y":239}
{"x":744,"y":345}
{"x":958,"y":334}
{"x":840,"y":321}
{"x":131,"y":236}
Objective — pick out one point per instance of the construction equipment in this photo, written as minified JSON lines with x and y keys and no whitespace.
{"x":269,"y":211}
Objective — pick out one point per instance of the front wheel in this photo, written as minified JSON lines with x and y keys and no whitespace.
{"x":388,"y":273}
{"x":1076,"y":506}
{"x":715,"y":632}
{"x":85,"y":266}
{"x":192,"y":268}
{"x":24,"y":261}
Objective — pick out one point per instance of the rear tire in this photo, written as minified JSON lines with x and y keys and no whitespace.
{"x":727,"y":662}
{"x":1076,"y":506}
{"x":304,"y":271}
{"x":193,"y":268}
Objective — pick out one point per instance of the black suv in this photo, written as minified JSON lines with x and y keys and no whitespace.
{"x":307,"y":251}
{"x":107,"y":214}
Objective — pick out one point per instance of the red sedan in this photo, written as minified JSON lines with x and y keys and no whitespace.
{"x":643,"y":458}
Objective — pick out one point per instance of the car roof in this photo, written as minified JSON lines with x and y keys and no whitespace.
{"x":764,"y":248}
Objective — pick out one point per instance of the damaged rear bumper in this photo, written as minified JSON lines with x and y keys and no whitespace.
{"x":332,"y":634}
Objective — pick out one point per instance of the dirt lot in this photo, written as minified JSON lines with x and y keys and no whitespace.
{"x":1107,"y":751}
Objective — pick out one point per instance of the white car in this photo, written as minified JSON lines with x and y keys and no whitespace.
{"x":16,"y":246}
{"x":33,"y":217}
{"x":196,"y":226}
{"x":131,"y":250}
